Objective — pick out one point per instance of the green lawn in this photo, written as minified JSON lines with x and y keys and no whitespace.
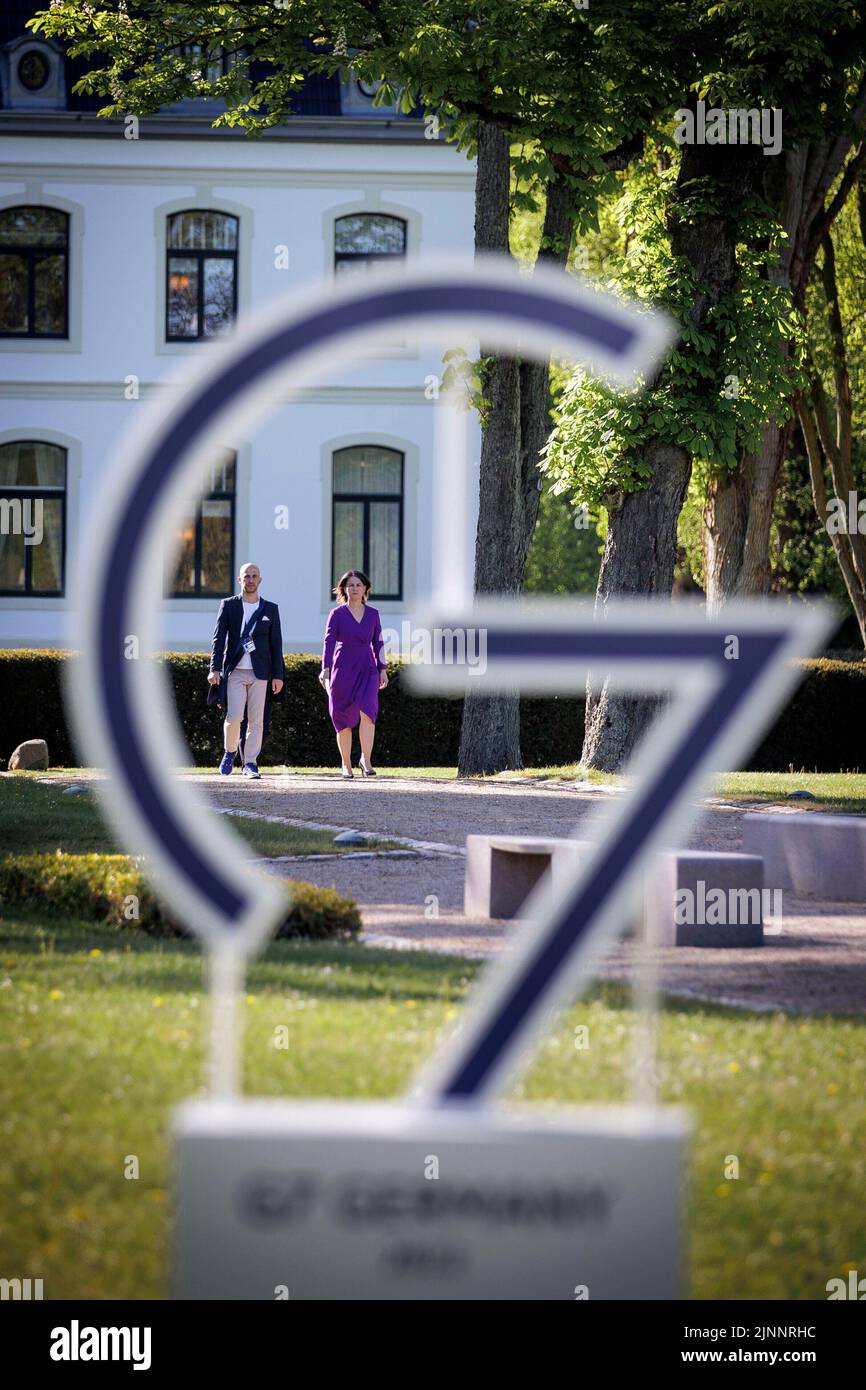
{"x":101,"y":1034}
{"x":566,"y":772}
{"x":37,"y":817}
{"x":844,"y":792}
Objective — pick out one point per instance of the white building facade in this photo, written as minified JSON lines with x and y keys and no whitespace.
{"x":120,"y":257}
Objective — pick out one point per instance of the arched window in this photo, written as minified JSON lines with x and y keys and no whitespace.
{"x":367,"y":524}
{"x":201,"y":562}
{"x":202,"y":264}
{"x":362,"y":238}
{"x":34,"y":272}
{"x":32,"y":518}
{"x":33,"y":71}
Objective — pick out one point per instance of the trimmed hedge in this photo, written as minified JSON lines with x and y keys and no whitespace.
{"x":112,"y":889}
{"x":32,"y":699}
{"x":410,"y":732}
{"x":822,"y":729}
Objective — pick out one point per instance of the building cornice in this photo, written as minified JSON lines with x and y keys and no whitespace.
{"x":333,"y":129}
{"x":289,"y":175}
{"x":149,"y":390}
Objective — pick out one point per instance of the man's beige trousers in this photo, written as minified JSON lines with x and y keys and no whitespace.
{"x":245,"y":692}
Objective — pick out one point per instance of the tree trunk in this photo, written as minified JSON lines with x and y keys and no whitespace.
{"x":738,"y":560}
{"x":639,"y":557}
{"x":641,"y":547}
{"x":490,"y":732}
{"x":807,"y":175}
{"x":829,"y":444}
{"x":763,"y":469}
{"x":726,"y":514}
{"x":741,"y":562}
{"x":855,"y":582}
{"x":517,"y":429}
{"x":738,"y":514}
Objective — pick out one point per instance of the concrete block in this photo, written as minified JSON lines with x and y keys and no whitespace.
{"x":810,"y":854}
{"x":703,"y":898}
{"x":502,"y":870}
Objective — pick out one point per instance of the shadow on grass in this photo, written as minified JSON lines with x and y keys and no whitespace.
{"x":835,"y":805}
{"x":283,"y":965}
{"x":355,"y":972}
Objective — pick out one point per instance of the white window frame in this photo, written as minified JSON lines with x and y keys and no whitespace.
{"x":202,"y":199}
{"x":33,"y":195}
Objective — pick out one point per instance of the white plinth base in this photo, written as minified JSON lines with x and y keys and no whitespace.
{"x":338,"y":1200}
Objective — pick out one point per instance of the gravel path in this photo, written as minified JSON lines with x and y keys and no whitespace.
{"x":429,"y":810}
{"x":816,"y":963}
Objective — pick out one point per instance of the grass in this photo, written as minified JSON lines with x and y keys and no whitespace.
{"x":102,"y":1035}
{"x":566,"y":772}
{"x":37,"y":817}
{"x":843,"y":792}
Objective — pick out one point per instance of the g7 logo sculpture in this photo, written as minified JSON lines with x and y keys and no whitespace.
{"x":363,"y":1170}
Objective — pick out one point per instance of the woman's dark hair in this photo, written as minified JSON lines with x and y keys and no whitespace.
{"x":340,"y":589}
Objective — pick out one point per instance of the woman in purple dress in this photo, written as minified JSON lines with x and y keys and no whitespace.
{"x":353,"y":668}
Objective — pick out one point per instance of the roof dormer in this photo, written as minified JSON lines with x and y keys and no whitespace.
{"x":32,"y":74}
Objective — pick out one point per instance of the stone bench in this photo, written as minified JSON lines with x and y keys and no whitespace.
{"x":502,"y":870}
{"x":707,"y":898}
{"x":810,"y":854}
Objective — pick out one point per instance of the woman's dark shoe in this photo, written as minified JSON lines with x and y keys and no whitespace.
{"x":366,"y":771}
{"x":346,"y":772}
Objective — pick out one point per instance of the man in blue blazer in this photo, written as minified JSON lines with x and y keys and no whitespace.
{"x":246,"y":663}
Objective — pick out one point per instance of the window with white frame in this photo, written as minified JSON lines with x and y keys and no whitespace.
{"x":367,"y":516}
{"x":34,"y":272}
{"x":32,"y":518}
{"x":363,"y":239}
{"x":201,"y":560}
{"x":201,"y":274}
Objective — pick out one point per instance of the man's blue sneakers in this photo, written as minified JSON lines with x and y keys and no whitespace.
{"x":228,"y":762}
{"x":250,"y":770}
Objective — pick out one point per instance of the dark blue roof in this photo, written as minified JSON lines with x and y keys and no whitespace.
{"x":320,"y":95}
{"x":14,"y":14}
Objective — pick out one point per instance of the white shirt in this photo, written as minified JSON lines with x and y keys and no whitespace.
{"x":246,"y":662}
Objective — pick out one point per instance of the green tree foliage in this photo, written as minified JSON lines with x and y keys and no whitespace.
{"x":585,"y":94}
{"x":720,"y":382}
{"x":831,"y":415}
{"x":566,"y":549}
{"x":801,"y":555}
{"x":737,"y":367}
{"x":803,"y":560}
{"x":572,"y":83}
{"x":849,"y":240}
